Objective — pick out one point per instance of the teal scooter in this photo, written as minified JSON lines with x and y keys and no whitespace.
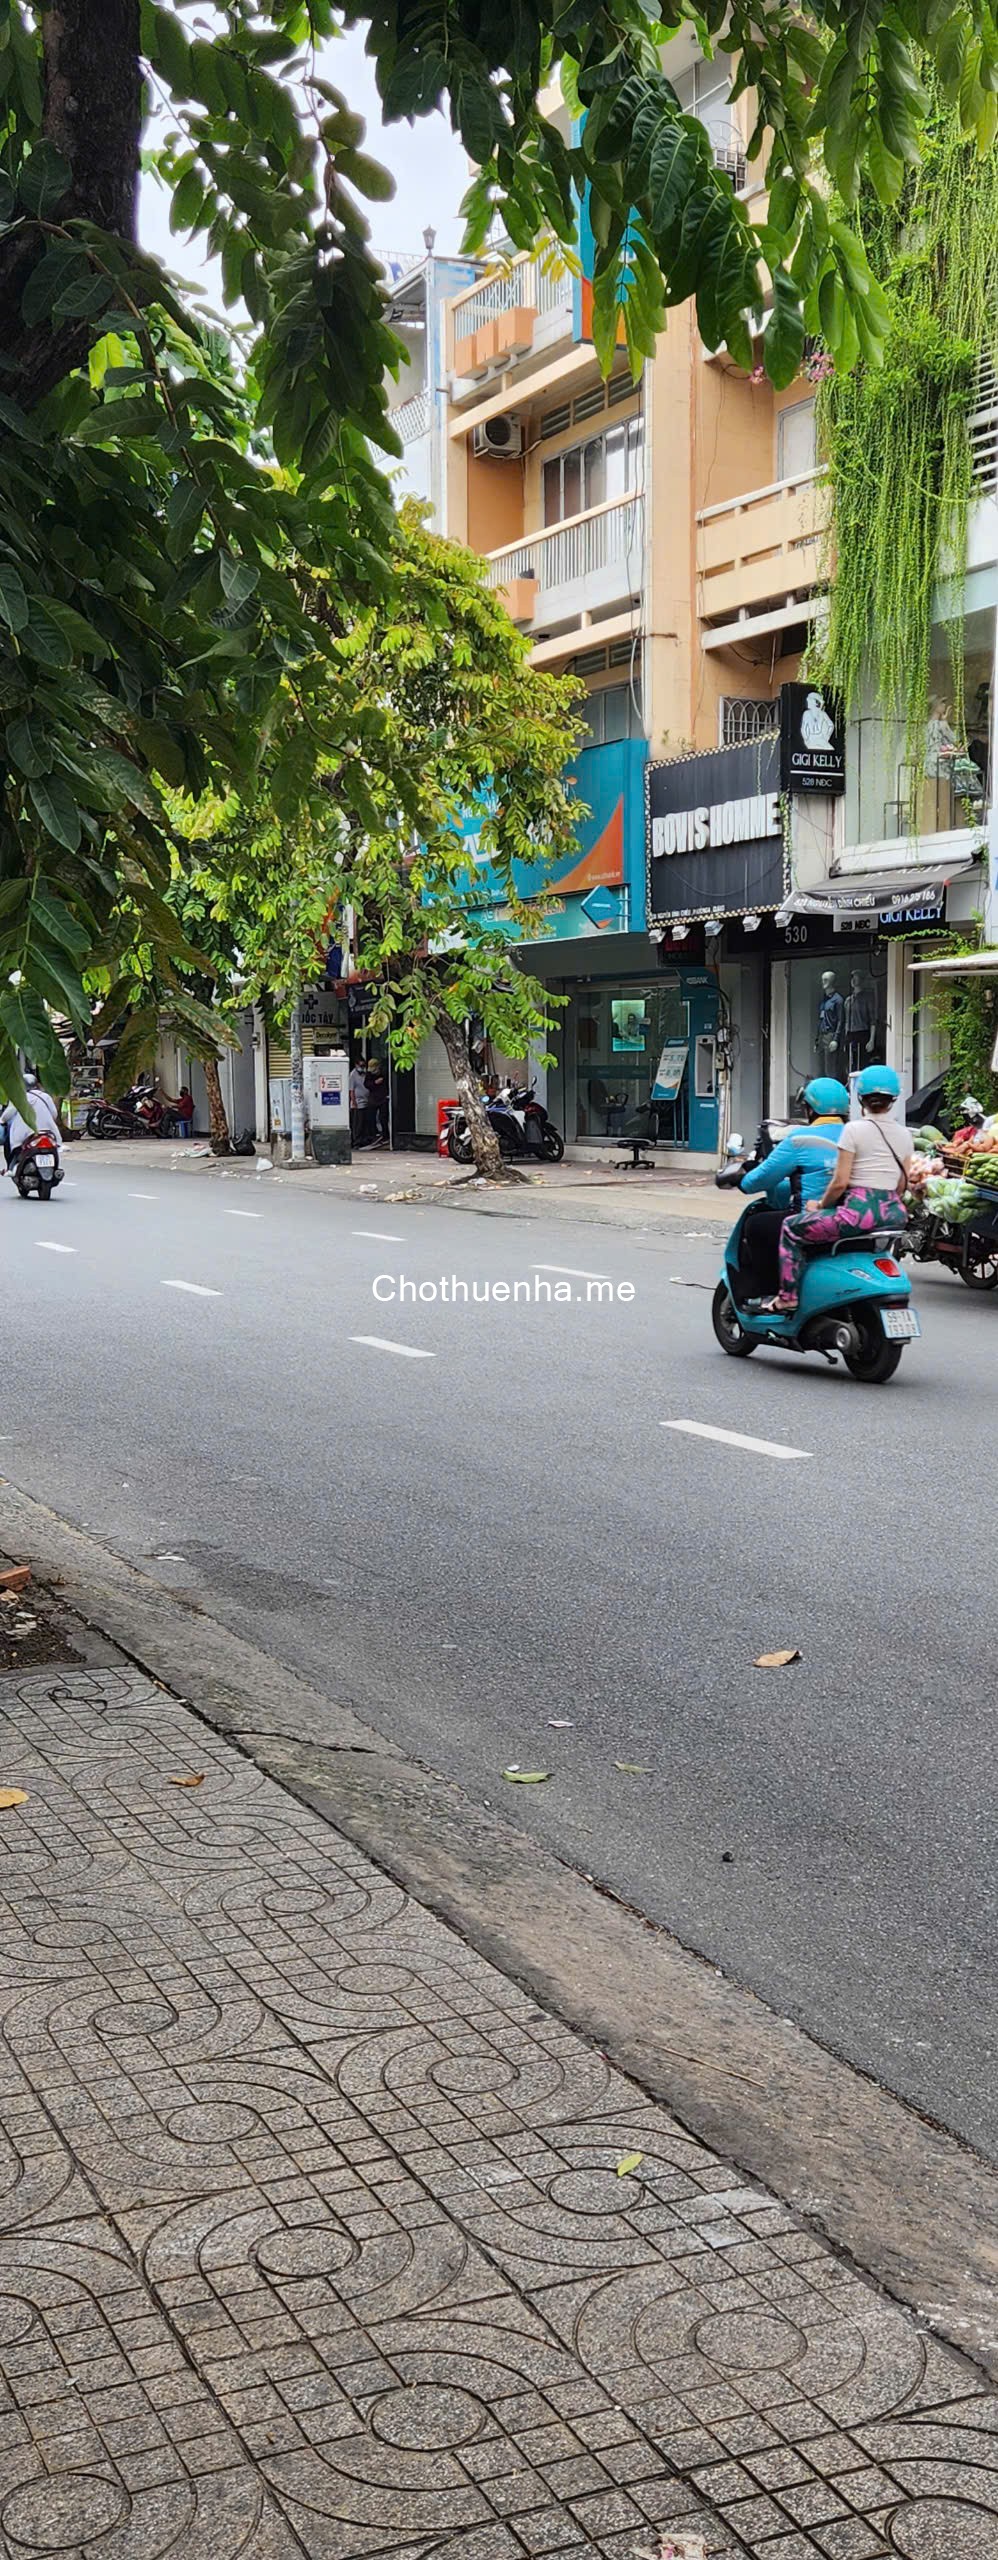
{"x":855,"y":1298}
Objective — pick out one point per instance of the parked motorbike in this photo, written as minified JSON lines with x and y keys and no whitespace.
{"x":521,"y":1125}
{"x":970,"y":1250}
{"x":141,"y":1113}
{"x":855,"y":1298}
{"x":35,"y":1167}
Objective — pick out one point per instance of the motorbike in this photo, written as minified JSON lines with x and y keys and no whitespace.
{"x":35,"y":1167}
{"x":970,"y":1250}
{"x":521,"y":1125}
{"x":141,"y":1113}
{"x":855,"y":1297}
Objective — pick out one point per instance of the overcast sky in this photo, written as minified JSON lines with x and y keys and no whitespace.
{"x":426,"y":161}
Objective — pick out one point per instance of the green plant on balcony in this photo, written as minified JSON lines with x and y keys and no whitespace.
{"x":896,"y":437}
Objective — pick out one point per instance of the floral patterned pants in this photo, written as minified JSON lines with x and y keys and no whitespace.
{"x":857,"y":1214}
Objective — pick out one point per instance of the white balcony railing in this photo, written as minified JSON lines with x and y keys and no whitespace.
{"x":598,"y":555}
{"x":983,"y":430}
{"x":528,"y":282}
{"x":412,"y":417}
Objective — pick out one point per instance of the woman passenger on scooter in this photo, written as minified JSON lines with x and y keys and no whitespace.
{"x":865,"y":1191}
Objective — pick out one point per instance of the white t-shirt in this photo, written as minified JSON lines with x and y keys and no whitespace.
{"x":42,"y":1107}
{"x":880,"y":1149}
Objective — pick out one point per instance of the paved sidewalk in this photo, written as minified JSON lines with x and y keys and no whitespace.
{"x":314,"y":2238}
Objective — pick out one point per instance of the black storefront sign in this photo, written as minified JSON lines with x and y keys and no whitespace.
{"x":714,"y":833}
{"x":812,"y":740}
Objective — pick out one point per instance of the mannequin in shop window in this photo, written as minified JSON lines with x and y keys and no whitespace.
{"x":860,"y":1020}
{"x":944,"y":760}
{"x":831,"y":1010}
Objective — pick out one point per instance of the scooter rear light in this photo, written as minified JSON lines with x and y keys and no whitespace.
{"x":893,"y":1269}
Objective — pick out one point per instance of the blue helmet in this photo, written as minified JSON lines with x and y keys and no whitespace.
{"x":878,"y":1080}
{"x":827,"y":1099}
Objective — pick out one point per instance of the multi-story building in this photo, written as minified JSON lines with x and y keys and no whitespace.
{"x":666,"y":543}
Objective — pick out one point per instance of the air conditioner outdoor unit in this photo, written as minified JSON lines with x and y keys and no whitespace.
{"x":500,"y":438}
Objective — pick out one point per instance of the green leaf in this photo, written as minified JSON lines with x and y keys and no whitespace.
{"x":239,"y":580}
{"x":44,"y":178}
{"x":367,"y":176}
{"x":62,"y":260}
{"x":136,"y":1049}
{"x":783,"y":345}
{"x":675,"y":161}
{"x":14,"y":606}
{"x":57,"y":809}
{"x":84,"y":298}
{"x":57,"y":921}
{"x":28,"y":748}
{"x":167,"y":47}
{"x":188,"y":202}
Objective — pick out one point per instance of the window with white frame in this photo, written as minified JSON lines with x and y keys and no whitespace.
{"x":588,"y":475}
{"x":796,"y":440}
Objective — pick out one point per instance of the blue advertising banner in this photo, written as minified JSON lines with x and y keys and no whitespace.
{"x":600,"y":889}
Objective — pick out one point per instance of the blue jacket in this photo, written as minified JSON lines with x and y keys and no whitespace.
{"x":804,"y":1159}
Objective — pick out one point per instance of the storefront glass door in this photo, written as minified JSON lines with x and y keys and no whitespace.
{"x":626,"y":1034}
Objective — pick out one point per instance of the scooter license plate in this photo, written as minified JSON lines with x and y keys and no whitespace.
{"x":900,"y":1324}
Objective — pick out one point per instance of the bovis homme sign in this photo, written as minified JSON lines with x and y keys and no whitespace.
{"x":714,"y":833}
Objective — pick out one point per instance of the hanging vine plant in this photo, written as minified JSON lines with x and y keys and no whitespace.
{"x":896,"y":440}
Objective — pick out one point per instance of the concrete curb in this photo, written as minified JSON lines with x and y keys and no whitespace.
{"x":900,"y":2196}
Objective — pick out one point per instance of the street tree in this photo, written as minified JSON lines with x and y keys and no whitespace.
{"x":447,"y":717}
{"x":152,"y":628}
{"x":484,"y":734}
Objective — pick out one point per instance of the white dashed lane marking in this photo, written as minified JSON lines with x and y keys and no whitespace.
{"x":143,"y":1195}
{"x":242,"y":1213}
{"x":375,"y":1235}
{"x":45,"y":1246}
{"x":402,"y":1350}
{"x":566,"y":1271}
{"x":193,"y":1287}
{"x":737,"y":1440}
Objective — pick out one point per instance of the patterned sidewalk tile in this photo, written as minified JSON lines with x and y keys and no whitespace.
{"x":312,"y":2237}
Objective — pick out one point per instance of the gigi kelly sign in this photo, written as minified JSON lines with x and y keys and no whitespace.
{"x":812,"y":740}
{"x":714,"y":833}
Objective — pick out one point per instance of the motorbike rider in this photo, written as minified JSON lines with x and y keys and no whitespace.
{"x":43,"y":1116}
{"x":797,"y":1172}
{"x":868,"y":1179}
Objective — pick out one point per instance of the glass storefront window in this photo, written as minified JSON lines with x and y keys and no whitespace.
{"x":836,"y":1011}
{"x":619,"y":1041}
{"x":889,"y":791}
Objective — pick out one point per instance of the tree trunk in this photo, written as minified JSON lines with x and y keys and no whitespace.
{"x":218,"y":1126}
{"x":484,"y":1143}
{"x":297,"y":1087}
{"x":93,"y":115}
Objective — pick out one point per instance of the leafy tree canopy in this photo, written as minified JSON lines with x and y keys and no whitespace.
{"x":157,"y":515}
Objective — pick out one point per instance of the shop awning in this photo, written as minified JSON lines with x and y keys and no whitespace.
{"x":958,"y":963}
{"x":860,"y":893}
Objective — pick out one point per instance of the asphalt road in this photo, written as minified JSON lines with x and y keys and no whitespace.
{"x":471,"y":1545}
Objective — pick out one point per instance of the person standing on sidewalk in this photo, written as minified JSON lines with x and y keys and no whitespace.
{"x":358,"y":1102}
